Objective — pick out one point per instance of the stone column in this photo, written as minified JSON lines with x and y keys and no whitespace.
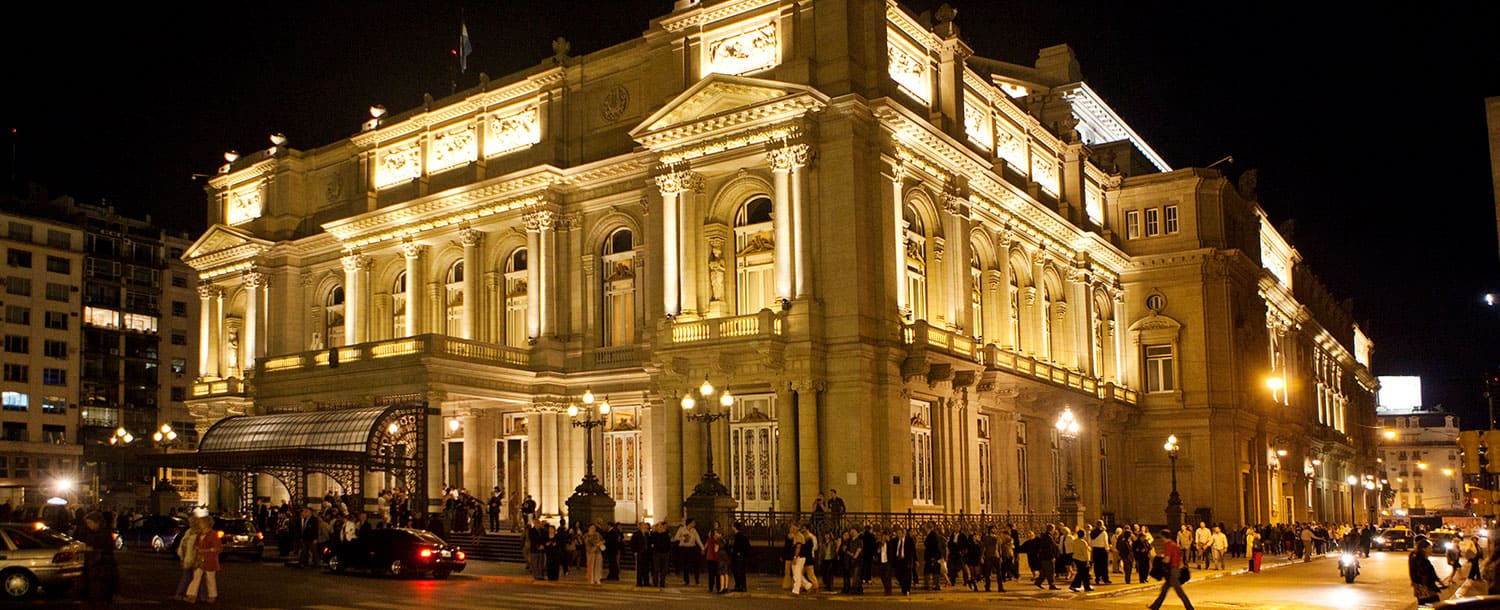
{"x":809,"y":454}
{"x":538,"y":241}
{"x":990,"y":298}
{"x":956,"y":218}
{"x":673,"y":185}
{"x":352,"y":323}
{"x":220,"y":359}
{"x":788,"y":497}
{"x":553,"y":453}
{"x":1035,"y":300}
{"x":781,"y":160}
{"x":493,"y":328}
{"x":533,"y":454}
{"x":208,"y":359}
{"x":546,"y":237}
{"x":415,"y":279}
{"x":253,"y":281}
{"x":479,"y":450}
{"x":1003,"y":336}
{"x":897,"y":176}
{"x":1082,"y":317}
{"x":1115,"y":337}
{"x":801,"y":242}
{"x":473,"y":303}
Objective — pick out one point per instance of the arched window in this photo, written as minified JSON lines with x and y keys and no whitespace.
{"x":618,"y":273}
{"x":976,"y":297}
{"x":333,"y":317}
{"x":398,"y":306}
{"x":916,"y":265}
{"x":454,"y":295}
{"x":515,"y":299}
{"x":754,"y":257}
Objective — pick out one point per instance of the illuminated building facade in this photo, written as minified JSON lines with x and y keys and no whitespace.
{"x":904,"y":261}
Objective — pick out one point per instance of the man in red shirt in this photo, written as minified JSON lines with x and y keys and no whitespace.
{"x":1173,"y":554}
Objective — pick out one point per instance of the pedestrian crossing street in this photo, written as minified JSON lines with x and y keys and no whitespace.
{"x":561,"y":598}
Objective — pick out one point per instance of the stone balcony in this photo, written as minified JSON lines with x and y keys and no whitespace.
{"x":922,"y":338}
{"x":217,"y":388}
{"x":764,"y":324}
{"x":420,"y":346}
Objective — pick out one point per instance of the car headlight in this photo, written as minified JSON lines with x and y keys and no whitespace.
{"x":1448,"y":546}
{"x":1380,"y":540}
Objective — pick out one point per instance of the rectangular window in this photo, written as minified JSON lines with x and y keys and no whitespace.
{"x":16,"y":372}
{"x":179,"y":308}
{"x":921,"y":453}
{"x":1153,"y":222}
{"x":1132,"y":224}
{"x":58,"y":292}
{"x":53,"y":433}
{"x":20,"y":465}
{"x":179,"y":366}
{"x":17,"y":344}
{"x":19,"y":286}
{"x":179,"y":393}
{"x":57,"y":320}
{"x":58,"y":264}
{"x":179,"y":280}
{"x":1160,"y":376}
{"x":20,"y":231}
{"x":54,"y":376}
{"x":139,"y":322}
{"x":54,"y":405}
{"x":15,"y":401}
{"x":179,"y":337}
{"x":104,"y":318}
{"x":18,"y":258}
{"x":59,"y":239}
{"x":16,"y":314}
{"x":55,"y":349}
{"x":1170,"y":219}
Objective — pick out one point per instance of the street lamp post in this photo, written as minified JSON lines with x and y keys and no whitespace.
{"x":590,"y":501}
{"x":711,"y":500}
{"x":163,"y":495}
{"x":1067,"y":428}
{"x":1174,"y":501}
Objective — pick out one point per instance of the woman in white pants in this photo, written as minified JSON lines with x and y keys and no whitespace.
{"x":208,"y":562}
{"x":799,"y":562}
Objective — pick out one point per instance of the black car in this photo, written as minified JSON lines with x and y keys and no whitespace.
{"x":397,"y":552}
{"x":156,"y":532}
{"x":239,"y":537}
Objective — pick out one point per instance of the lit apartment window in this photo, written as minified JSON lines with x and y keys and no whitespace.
{"x":1132,"y":224}
{"x":15,"y":401}
{"x":1153,"y":222}
{"x":1169,"y":219}
{"x":54,"y":405}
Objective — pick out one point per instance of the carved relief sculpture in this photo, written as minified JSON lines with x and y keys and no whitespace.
{"x":746,"y":51}
{"x":512,"y":132}
{"x":398,"y":164}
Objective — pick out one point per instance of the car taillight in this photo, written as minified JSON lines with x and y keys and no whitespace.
{"x":259,"y":536}
{"x":219,"y":533}
{"x":64,"y":557}
{"x":460,"y":555}
{"x":425,"y":553}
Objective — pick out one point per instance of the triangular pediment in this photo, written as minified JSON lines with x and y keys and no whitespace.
{"x":220,"y":238}
{"x":719,"y":95}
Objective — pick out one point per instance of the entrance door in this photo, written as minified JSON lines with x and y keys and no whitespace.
{"x":454,"y":474}
{"x":622,"y":473}
{"x":752,"y":459}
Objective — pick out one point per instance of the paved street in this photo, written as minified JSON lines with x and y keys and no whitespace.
{"x":148,"y":580}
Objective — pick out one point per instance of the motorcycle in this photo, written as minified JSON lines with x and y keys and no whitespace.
{"x":1348,"y":566}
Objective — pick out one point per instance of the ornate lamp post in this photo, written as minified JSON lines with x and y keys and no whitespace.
{"x":1067,"y":428}
{"x":590,"y":501}
{"x":163,"y":495}
{"x":711,"y":500}
{"x":1174,"y":501}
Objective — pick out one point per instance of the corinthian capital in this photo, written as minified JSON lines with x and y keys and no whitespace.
{"x":253,"y":279}
{"x":783,"y":159}
{"x":208,"y":291}
{"x":682,"y":181}
{"x":539,"y":220}
{"x":412,"y":249}
{"x":470,"y":237}
{"x":352,"y":262}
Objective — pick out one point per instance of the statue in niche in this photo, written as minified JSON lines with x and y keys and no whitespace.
{"x":716,"y":273}
{"x":232,"y":351}
{"x":317,"y":341}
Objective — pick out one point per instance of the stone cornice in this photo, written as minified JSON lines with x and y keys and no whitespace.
{"x":451,"y":207}
{"x":700,"y":16}
{"x":780,"y":111}
{"x":908,"y":25}
{"x":474,"y":104}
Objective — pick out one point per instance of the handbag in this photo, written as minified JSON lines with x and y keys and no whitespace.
{"x":1185,"y":575}
{"x":1422,"y":591}
{"x":1159,"y":568}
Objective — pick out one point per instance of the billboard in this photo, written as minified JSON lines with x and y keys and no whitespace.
{"x":1399,"y":394}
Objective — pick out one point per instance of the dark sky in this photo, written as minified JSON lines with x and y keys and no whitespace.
{"x":1367,"y":125}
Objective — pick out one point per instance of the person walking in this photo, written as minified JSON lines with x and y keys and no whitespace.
{"x":1425,"y":585}
{"x":1218,"y":543}
{"x":1123,"y":540}
{"x":613,"y":538}
{"x":880,"y":559}
{"x":187,"y":557}
{"x":934,"y":549}
{"x":642,"y":550}
{"x":1202,"y":539}
{"x":207,"y":567}
{"x":689,"y":546}
{"x":1173,"y":557}
{"x":661,"y":549}
{"x":853,"y":552}
{"x":1252,"y":548}
{"x":497,"y":502}
{"x":799,"y":561}
{"x":1043,"y":558}
{"x":1099,"y":550}
{"x":1081,"y":560}
{"x":593,"y":544}
{"x":101,"y":575}
{"x":1141,"y":550}
{"x":711,"y":556}
{"x":989,"y":558}
{"x":740,"y":557}
{"x":903,"y":555}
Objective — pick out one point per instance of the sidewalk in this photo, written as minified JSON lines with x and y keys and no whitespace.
{"x":765,"y":586}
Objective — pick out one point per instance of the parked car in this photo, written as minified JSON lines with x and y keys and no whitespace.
{"x":1395,"y":539}
{"x":240,"y":537}
{"x":38,"y":557}
{"x":156,"y":532}
{"x":397,"y":552}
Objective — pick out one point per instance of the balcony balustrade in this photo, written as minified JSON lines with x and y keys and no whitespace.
{"x":921,"y":336}
{"x":764,"y":325}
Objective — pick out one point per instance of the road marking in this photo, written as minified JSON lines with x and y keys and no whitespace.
{"x":384,"y":605}
{"x":550,"y":598}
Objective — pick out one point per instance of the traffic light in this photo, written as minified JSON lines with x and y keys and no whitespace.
{"x":1468,"y":447}
{"x":1490,"y":439}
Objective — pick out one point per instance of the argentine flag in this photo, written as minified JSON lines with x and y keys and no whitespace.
{"x":465,"y":48}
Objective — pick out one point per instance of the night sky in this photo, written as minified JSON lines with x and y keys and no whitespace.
{"x":1367,"y":126}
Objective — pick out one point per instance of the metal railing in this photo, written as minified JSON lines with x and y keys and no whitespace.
{"x":772,"y":526}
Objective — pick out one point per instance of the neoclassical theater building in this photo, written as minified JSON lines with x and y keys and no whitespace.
{"x":903,"y":262}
